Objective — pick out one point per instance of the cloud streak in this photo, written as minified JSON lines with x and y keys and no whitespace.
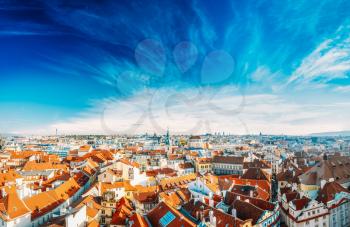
{"x":152,"y":111}
{"x":329,"y":61}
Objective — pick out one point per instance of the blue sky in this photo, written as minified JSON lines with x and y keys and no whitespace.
{"x":243,"y":67}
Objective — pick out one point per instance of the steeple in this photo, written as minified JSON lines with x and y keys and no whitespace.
{"x":167,"y":138}
{"x":168,"y":142}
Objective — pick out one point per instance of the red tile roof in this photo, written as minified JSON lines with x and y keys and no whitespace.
{"x":186,"y":165}
{"x":123,"y":211}
{"x":230,"y":197}
{"x":161,"y":209}
{"x":291,"y":196}
{"x":335,"y":167}
{"x":199,"y":210}
{"x":165,"y":171}
{"x":146,"y":197}
{"x":329,"y":190}
{"x":13,"y":206}
{"x":228,"y":160}
{"x":138,"y":220}
{"x":256,"y":174}
{"x":301,"y":203}
{"x":245,"y":211}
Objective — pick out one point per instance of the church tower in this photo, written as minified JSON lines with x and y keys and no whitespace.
{"x":168,"y":142}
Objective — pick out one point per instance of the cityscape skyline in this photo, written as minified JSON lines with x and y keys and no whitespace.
{"x":191,"y":113}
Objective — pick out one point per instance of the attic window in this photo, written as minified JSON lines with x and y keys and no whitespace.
{"x":166,"y":219}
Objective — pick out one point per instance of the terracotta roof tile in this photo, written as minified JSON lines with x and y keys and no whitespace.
{"x":301,"y":203}
{"x":162,"y":209}
{"x":138,"y":220}
{"x":13,"y":205}
{"x":329,"y":190}
{"x":245,"y":211}
{"x":199,"y":210}
{"x":256,"y":174}
{"x":228,"y":160}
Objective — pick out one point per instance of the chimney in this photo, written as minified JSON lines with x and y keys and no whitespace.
{"x":251,"y":193}
{"x":234,"y":212}
{"x":224,"y":194}
{"x":331,"y":179}
{"x":3,"y":192}
{"x":195,"y":200}
{"x":201,"y":216}
{"x":212,"y":218}
{"x":211,"y":202}
{"x":238,"y":197}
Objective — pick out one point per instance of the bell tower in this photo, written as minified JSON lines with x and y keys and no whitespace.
{"x":168,"y":142}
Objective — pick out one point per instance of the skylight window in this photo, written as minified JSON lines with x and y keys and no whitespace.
{"x":166,"y":219}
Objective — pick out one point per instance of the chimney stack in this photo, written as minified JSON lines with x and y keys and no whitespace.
{"x":3,"y":192}
{"x":211,"y":202}
{"x":212,"y":218}
{"x":234,"y":212}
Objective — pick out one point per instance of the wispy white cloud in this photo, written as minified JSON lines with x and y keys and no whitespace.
{"x":343,"y":89}
{"x":208,"y":110}
{"x":329,"y":61}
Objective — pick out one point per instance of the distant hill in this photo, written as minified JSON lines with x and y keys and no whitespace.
{"x":339,"y":133}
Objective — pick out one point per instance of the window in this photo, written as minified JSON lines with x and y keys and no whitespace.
{"x":166,"y":219}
